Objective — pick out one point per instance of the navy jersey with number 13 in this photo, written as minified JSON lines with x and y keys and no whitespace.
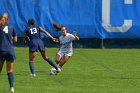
{"x":33,"y":32}
{"x":35,"y":43}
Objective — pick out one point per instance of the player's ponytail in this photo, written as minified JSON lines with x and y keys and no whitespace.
{"x":57,"y":27}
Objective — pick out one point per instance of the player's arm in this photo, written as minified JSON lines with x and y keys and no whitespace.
{"x":44,"y":31}
{"x":14,"y":38}
{"x":75,"y":35}
{"x":24,"y":36}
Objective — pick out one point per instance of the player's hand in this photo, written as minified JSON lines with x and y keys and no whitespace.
{"x":76,"y":37}
{"x":55,"y":40}
{"x":74,"y":33}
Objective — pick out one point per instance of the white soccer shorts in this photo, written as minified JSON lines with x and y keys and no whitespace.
{"x":65,"y":53}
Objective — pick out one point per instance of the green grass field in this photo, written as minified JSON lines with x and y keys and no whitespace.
{"x":87,"y":71}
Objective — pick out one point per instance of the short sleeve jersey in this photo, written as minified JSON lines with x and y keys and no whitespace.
{"x":66,"y":42}
{"x":33,"y":32}
{"x":6,"y":34}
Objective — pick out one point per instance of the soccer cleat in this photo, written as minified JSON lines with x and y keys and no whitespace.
{"x":12,"y":89}
{"x":33,"y":75}
{"x":58,"y":70}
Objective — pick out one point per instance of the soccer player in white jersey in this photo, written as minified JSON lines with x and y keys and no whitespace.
{"x":66,"y":49}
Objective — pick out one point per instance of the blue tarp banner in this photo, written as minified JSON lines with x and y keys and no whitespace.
{"x":90,"y":18}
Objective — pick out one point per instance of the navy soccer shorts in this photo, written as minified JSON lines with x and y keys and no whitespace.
{"x":7,"y":55}
{"x":36,"y":44}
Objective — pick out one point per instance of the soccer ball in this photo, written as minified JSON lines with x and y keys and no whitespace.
{"x":52,"y":71}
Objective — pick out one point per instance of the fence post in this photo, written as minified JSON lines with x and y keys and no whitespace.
{"x":102,"y":43}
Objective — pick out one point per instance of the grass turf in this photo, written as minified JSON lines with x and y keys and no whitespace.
{"x":87,"y":71}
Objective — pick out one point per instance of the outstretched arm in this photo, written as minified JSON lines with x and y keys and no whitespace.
{"x":44,"y":31}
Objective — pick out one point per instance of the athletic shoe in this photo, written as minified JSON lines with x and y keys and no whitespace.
{"x":33,"y":75}
{"x":58,"y":69}
{"x":12,"y":89}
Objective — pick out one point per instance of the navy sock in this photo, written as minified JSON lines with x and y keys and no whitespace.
{"x":31,"y":64}
{"x":52,"y":63}
{"x":11,"y":79}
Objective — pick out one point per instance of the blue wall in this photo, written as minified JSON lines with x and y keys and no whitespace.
{"x":90,"y":18}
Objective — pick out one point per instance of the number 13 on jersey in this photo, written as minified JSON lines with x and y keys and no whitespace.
{"x":33,"y":30}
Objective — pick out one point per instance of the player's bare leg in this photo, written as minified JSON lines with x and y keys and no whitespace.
{"x":32,"y":56}
{"x":44,"y":54}
{"x":9,"y":67}
{"x":31,"y":62}
{"x":1,"y":65}
{"x":64,"y":60}
{"x":58,"y":59}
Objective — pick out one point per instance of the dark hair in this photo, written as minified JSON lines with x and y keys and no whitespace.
{"x":57,"y":27}
{"x":63,"y":26}
{"x":31,"y":21}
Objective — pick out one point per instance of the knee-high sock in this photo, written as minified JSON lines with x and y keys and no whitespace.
{"x":11,"y":79}
{"x":31,"y":64}
{"x":52,"y":63}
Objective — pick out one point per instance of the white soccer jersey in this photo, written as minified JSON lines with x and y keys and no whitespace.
{"x":66,"y":42}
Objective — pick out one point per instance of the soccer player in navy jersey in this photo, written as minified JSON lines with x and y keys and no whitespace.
{"x":65,"y":50}
{"x":35,"y":44}
{"x":7,"y":37}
